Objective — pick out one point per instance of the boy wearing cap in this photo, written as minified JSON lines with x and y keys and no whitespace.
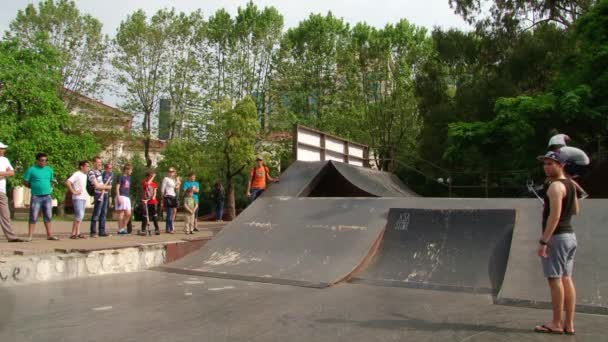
{"x":258,"y":175}
{"x":576,"y":159}
{"x":6,"y":170}
{"x":557,"y":244}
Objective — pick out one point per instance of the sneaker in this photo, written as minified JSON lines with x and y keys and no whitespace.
{"x":16,"y":240}
{"x":122,"y":232}
{"x":195,"y":230}
{"x":142,"y":233}
{"x":52,"y":238}
{"x":104,"y":235}
{"x":93,"y":235}
{"x":157,"y":232}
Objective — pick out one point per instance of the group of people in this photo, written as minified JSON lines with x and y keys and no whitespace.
{"x":93,"y":179}
{"x":557,"y":245}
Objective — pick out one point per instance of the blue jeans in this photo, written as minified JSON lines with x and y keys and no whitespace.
{"x":100,"y":210}
{"x":78,"y":205}
{"x":255,"y":193}
{"x":37,"y":203}
{"x":219,"y":209}
{"x":169,"y":218}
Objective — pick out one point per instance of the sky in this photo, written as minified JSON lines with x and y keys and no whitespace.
{"x":378,"y":13}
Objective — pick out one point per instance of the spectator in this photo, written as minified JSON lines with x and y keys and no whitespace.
{"x":258,"y":177}
{"x":77,"y":184}
{"x":102,"y":184}
{"x":218,"y":195}
{"x":39,"y":179}
{"x":191,"y":183}
{"x":150,"y":203}
{"x":6,"y":170}
{"x":168,"y":190}
{"x":190,"y":206}
{"x":123,"y":201}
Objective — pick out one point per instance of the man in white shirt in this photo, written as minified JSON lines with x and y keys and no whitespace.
{"x":6,"y":170}
{"x":77,"y":184}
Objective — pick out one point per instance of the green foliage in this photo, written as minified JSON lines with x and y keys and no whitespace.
{"x":33,"y":117}
{"x":77,"y":37}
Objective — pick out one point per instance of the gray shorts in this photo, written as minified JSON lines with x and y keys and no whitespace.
{"x":560,"y":261}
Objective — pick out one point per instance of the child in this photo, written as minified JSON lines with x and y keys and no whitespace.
{"x":190,"y":206}
{"x":123,"y":200}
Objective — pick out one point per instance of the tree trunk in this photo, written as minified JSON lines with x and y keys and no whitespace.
{"x":230,"y":203}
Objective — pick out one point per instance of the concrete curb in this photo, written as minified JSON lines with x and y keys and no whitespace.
{"x":64,"y":264}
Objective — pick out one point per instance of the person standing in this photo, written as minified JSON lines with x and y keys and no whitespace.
{"x":218,"y":195}
{"x":77,"y":184}
{"x":557,"y":244}
{"x":39,"y":178}
{"x":6,"y":170}
{"x":168,"y":190}
{"x":123,"y":199}
{"x":191,"y":183}
{"x":100,"y":198}
{"x":150,"y":202}
{"x":190,"y":206}
{"x":258,"y":177}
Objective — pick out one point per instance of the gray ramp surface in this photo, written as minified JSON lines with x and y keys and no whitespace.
{"x":298,"y":241}
{"x":453,"y":249}
{"x":523,"y":282}
{"x":297,"y":179}
{"x":374,"y":182}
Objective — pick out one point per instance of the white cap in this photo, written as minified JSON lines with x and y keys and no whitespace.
{"x":559,"y":139}
{"x":2,"y":145}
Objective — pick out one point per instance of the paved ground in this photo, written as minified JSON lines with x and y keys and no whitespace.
{"x":62,"y":230}
{"x":156,"y":306}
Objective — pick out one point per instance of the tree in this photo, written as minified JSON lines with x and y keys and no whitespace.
{"x":140,"y":52}
{"x":32,"y":115}
{"x":231,"y":136}
{"x":77,"y":37}
{"x":186,"y":55}
{"x":511,"y":14}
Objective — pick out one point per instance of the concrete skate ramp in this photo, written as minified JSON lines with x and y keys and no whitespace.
{"x":334,"y":179}
{"x":524,"y":283}
{"x":453,"y":249}
{"x":296,"y":241}
{"x":297,"y":180}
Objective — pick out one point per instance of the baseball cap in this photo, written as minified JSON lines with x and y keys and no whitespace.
{"x":2,"y":145}
{"x":555,"y":156}
{"x":259,"y":157}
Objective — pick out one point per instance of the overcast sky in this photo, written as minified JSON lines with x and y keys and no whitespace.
{"x":427,"y":13}
{"x":378,"y":13}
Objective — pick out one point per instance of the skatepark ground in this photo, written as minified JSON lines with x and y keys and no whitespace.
{"x":159,"y":306}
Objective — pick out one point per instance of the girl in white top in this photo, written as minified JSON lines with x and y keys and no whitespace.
{"x":168,"y":189}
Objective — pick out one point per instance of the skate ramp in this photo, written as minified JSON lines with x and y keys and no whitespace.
{"x":296,"y":241}
{"x":524,"y":283}
{"x":444,"y":249}
{"x":335,"y":179}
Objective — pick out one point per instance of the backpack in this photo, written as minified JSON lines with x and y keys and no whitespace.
{"x":90,"y":185}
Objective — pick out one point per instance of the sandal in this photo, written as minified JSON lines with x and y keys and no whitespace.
{"x":571,"y":333}
{"x":82,"y":236}
{"x":74,"y":237}
{"x":546,"y":330}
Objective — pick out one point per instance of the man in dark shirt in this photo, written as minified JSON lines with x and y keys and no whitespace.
{"x":557,"y":244}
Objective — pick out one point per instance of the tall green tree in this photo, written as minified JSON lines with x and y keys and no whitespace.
{"x":77,"y":37}
{"x":33,"y":117}
{"x":140,"y":52}
{"x":231,"y":134}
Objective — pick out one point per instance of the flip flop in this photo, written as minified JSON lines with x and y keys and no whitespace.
{"x":82,"y":236}
{"x":571,"y":333}
{"x":74,"y":237}
{"x":546,"y":330}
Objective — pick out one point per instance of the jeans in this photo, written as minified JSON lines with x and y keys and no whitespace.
{"x":219,"y":209}
{"x":78,"y":205}
{"x":43,"y":203}
{"x":169,"y":218}
{"x":100,"y":211}
{"x":255,"y":193}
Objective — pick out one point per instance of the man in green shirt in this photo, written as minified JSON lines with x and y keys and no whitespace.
{"x":39,"y":179}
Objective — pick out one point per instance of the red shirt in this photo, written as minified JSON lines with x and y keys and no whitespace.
{"x":150,"y":193}
{"x":258,"y":177}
